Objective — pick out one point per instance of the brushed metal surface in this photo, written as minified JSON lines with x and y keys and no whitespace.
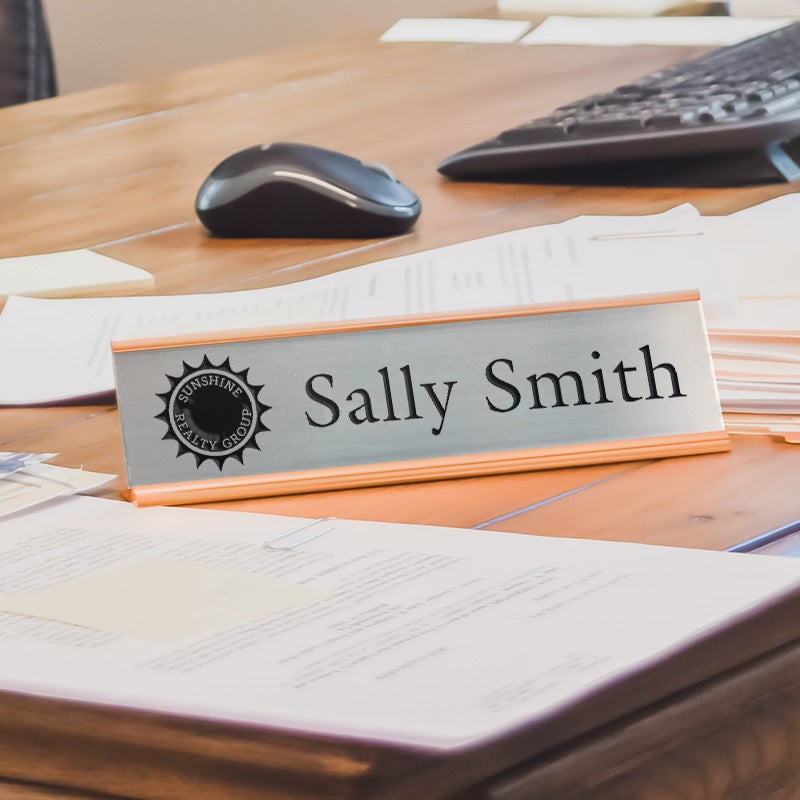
{"x":417,"y":392}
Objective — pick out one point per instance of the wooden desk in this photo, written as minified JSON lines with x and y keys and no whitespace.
{"x":116,"y":170}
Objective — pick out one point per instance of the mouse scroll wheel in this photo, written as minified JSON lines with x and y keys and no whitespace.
{"x":380,"y":169}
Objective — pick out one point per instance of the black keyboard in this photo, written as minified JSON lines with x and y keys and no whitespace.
{"x":726,"y":117}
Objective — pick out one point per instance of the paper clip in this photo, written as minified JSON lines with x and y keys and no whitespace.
{"x":294,"y":531}
{"x":602,"y":237}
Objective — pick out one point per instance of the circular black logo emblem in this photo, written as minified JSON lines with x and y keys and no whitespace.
{"x":212,"y":412}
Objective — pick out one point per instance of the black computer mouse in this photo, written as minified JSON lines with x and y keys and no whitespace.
{"x":287,"y":189}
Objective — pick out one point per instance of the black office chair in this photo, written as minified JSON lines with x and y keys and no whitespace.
{"x":26,"y":59}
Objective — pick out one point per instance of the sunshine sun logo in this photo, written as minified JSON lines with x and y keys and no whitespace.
{"x":212,"y":412}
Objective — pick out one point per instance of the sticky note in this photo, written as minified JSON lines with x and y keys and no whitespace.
{"x":161,"y":599}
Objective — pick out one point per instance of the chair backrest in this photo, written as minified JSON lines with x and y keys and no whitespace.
{"x":26,"y":58}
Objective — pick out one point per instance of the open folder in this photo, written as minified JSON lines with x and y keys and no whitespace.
{"x":310,"y":647}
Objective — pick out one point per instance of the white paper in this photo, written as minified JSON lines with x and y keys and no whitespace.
{"x":36,"y":483}
{"x":785,"y":205}
{"x":758,"y":253}
{"x":617,"y":31}
{"x":71,"y":273}
{"x":756,"y":348}
{"x":786,"y":427}
{"x":764,"y":8}
{"x":421,"y":636}
{"x":764,"y":370}
{"x":585,"y":258}
{"x":745,"y":398}
{"x":757,"y":351}
{"x":766,"y":314}
{"x":633,"y":8}
{"x":183,"y":598}
{"x":757,"y":248}
{"x":485,"y":31}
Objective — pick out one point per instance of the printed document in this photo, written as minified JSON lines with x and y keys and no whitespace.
{"x":587,"y":257}
{"x":392,"y":633}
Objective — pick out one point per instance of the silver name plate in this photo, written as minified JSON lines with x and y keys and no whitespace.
{"x":249,"y":413}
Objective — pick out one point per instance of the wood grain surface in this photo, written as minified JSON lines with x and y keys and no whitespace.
{"x":116,"y":170}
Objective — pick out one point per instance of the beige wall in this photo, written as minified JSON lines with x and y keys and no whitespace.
{"x":97,"y":42}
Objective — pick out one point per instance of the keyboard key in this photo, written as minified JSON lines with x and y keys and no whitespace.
{"x":536,"y":134}
{"x":760,"y":95}
{"x":779,"y":106}
{"x":609,"y":126}
{"x":783,"y":73}
{"x":737,"y":106}
{"x":673,"y":119}
{"x":711,"y":114}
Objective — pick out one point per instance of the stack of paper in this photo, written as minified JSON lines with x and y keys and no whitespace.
{"x":756,"y":351}
{"x":25,"y":481}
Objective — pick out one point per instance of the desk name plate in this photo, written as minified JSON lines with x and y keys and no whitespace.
{"x":298,"y":409}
